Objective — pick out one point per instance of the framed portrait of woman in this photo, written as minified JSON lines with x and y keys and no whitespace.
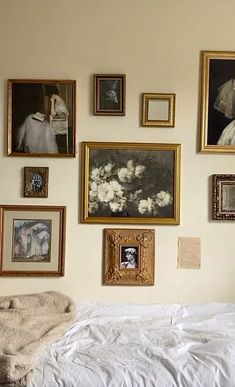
{"x":217,"y":113}
{"x":41,"y":118}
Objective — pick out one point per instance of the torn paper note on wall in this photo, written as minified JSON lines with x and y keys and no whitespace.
{"x":189,"y":253}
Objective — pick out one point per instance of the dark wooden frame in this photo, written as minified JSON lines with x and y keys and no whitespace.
{"x":222,"y":185}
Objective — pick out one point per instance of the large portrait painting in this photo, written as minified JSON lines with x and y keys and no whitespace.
{"x":41,"y":118}
{"x":131,"y":183}
{"x":217,"y":116}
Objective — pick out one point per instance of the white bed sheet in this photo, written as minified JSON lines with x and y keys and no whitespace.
{"x":134,"y":345}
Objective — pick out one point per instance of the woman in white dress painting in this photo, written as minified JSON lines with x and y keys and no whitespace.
{"x":36,"y":135}
{"x":225,"y":103}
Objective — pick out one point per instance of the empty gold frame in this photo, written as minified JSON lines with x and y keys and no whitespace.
{"x":158,"y":110}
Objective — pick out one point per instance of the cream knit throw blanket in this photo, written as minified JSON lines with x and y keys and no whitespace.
{"x":28,"y":324}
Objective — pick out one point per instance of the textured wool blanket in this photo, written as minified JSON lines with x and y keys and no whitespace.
{"x":28,"y":324}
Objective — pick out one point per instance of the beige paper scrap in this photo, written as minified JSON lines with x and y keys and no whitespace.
{"x":189,"y":253}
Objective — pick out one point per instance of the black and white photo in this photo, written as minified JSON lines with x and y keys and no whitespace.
{"x":109,"y":94}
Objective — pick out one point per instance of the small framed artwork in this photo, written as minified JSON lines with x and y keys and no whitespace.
{"x":223,"y":197}
{"x":109,"y":94}
{"x":32,"y":240}
{"x":36,"y":182}
{"x":41,"y":118}
{"x":158,"y":110}
{"x":217,"y":115}
{"x":130,"y":183}
{"x":129,"y":256}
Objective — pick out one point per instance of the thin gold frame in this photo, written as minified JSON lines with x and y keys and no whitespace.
{"x":146,"y":121}
{"x":218,"y":183}
{"x":87,"y":147}
{"x":29,"y":192}
{"x":144,"y":240}
{"x":209,"y":118}
{"x":54,"y":268}
{"x":11,"y":150}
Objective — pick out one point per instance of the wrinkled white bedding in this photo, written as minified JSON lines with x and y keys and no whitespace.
{"x":134,"y":345}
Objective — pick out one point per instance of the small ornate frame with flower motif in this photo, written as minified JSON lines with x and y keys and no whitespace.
{"x":36,"y":182}
{"x":223,"y":197}
{"x":129,"y":256}
{"x":130,"y":183}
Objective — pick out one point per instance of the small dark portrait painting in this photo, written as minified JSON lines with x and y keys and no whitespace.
{"x":129,"y":257}
{"x":109,"y":95}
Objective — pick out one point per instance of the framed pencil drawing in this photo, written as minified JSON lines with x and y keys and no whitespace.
{"x":223,"y":197}
{"x":109,"y":94}
{"x":32,"y":240}
{"x":217,"y":113}
{"x":130,"y":183}
{"x":41,"y":118}
{"x":129,"y":256}
{"x":158,"y":110}
{"x":36,"y":182}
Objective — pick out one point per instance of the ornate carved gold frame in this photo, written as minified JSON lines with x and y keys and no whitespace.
{"x":143,"y":240}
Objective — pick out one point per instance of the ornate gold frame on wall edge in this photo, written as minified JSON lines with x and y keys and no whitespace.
{"x":216,"y":93}
{"x":140,"y":241}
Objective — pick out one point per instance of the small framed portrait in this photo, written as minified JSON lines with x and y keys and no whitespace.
{"x":36,"y":182}
{"x":32,"y":240}
{"x":223,"y":197}
{"x":109,"y":94}
{"x":41,"y":118}
{"x":217,"y":115}
{"x":130,"y":183}
{"x":129,"y":256}
{"x":158,"y":110}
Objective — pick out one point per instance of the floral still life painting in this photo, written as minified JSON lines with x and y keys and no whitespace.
{"x":131,"y":183}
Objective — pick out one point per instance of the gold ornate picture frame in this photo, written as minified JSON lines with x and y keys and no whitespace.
{"x":217,"y":111}
{"x":41,"y":117}
{"x":158,"y":110}
{"x":134,"y":183}
{"x":36,"y":182}
{"x":32,"y":240}
{"x":109,"y":94}
{"x":129,"y":257}
{"x":223,"y":197}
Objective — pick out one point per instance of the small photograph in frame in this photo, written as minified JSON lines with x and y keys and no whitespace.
{"x":158,"y":110}
{"x":41,"y":118}
{"x":109,"y":97}
{"x":32,"y":240}
{"x":36,"y":182}
{"x":129,"y":256}
{"x":130,"y":183}
{"x":223,"y":197}
{"x":217,"y":113}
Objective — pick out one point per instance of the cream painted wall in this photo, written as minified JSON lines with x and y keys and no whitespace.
{"x":156,"y":43}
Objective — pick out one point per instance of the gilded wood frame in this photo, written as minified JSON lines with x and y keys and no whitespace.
{"x":136,"y":244}
{"x":36,"y":182}
{"x":130,"y":183}
{"x":146,"y":120}
{"x":217,"y":94}
{"x":32,"y":240}
{"x":29,"y":110}
{"x":223,"y":197}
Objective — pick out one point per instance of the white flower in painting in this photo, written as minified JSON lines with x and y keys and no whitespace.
{"x":130,"y":165}
{"x":108,"y":169}
{"x":163,"y":199}
{"x":136,"y":195}
{"x":146,"y":206}
{"x":139,"y":171}
{"x":117,"y":188}
{"x":125,"y":175}
{"x":117,"y":205}
{"x":96,"y":174}
{"x":105,"y":192}
{"x":93,"y":207}
{"x":93,"y":193}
